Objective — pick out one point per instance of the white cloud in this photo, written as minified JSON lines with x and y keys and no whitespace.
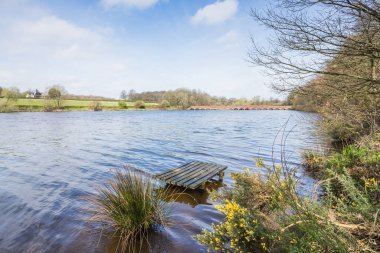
{"x":229,"y":39}
{"x":215,"y":13}
{"x":54,"y":37}
{"x":138,"y":4}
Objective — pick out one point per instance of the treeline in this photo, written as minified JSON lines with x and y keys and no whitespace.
{"x":185,"y":98}
{"x":348,"y":102}
{"x":332,"y":67}
{"x":15,"y":93}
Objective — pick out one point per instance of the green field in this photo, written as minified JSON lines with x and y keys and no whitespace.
{"x":73,"y":104}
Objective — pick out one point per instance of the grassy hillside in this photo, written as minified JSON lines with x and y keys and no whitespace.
{"x":38,"y":104}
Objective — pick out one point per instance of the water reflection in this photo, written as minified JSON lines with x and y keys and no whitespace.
{"x":192,"y":197}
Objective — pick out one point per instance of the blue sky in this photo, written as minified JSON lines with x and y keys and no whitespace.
{"x":101,"y":47}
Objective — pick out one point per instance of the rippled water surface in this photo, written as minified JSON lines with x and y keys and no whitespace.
{"x":51,"y":162}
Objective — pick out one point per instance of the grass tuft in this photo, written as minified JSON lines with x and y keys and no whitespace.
{"x":131,"y":207}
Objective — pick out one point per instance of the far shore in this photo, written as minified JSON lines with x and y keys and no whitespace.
{"x":41,"y":105}
{"x":241,"y":107}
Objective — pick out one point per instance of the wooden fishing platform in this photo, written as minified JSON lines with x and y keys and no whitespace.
{"x":192,"y":175}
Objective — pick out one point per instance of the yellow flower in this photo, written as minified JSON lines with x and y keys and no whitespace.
{"x":293,"y":241}
{"x":259,"y":163}
{"x":264,"y":246}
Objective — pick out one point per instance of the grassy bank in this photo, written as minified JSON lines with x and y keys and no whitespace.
{"x":267,"y":213}
{"x":25,"y":104}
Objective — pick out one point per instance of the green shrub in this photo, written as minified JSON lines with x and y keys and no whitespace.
{"x":49,"y":105}
{"x":8,"y":106}
{"x":140,"y":104}
{"x":267,"y":213}
{"x":164,"y":104}
{"x":97,"y":106}
{"x":123,"y":105}
{"x":314,"y":163}
{"x":131,"y":207}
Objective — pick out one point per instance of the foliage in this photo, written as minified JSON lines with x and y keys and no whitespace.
{"x":97,"y":106}
{"x":49,"y":105}
{"x":185,"y":98}
{"x":8,"y":106}
{"x":164,"y":104}
{"x":123,"y":95}
{"x":130,"y":207}
{"x":267,"y":213}
{"x":9,"y":103}
{"x":12,"y":93}
{"x":328,"y":61}
{"x":55,"y":94}
{"x":123,"y":105}
{"x":140,"y":104}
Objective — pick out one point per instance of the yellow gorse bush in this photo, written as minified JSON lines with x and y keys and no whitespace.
{"x":237,"y":234}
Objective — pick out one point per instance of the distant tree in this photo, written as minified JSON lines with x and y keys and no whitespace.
{"x":55,"y":93}
{"x":97,"y":106}
{"x":123,"y":95}
{"x":334,"y":43}
{"x":123,"y":105}
{"x":131,"y":95}
{"x":12,"y":93}
{"x":164,"y":104}
{"x":140,"y":104}
{"x":1,"y":91}
{"x":256,"y":100}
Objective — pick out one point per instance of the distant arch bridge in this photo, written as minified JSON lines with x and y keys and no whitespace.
{"x":240,"y":107}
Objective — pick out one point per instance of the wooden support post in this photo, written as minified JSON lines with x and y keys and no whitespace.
{"x":221,"y":176}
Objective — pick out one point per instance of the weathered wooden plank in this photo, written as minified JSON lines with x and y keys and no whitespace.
{"x":197,"y":174}
{"x":184,"y":170}
{"x":192,"y":174}
{"x":176,"y":171}
{"x":201,"y":170}
{"x":188,"y":172}
{"x":195,"y":183}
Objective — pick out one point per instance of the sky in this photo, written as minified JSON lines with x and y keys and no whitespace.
{"x":101,"y":47}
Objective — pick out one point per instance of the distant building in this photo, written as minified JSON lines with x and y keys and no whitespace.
{"x":37,"y":94}
{"x":31,"y":94}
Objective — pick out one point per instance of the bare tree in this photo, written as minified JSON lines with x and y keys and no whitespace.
{"x":123,"y":95}
{"x":334,"y":41}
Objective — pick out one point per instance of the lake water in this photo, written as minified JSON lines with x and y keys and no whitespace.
{"x":51,"y":162}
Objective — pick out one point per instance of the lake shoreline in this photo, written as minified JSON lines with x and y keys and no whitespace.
{"x":193,"y":108}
